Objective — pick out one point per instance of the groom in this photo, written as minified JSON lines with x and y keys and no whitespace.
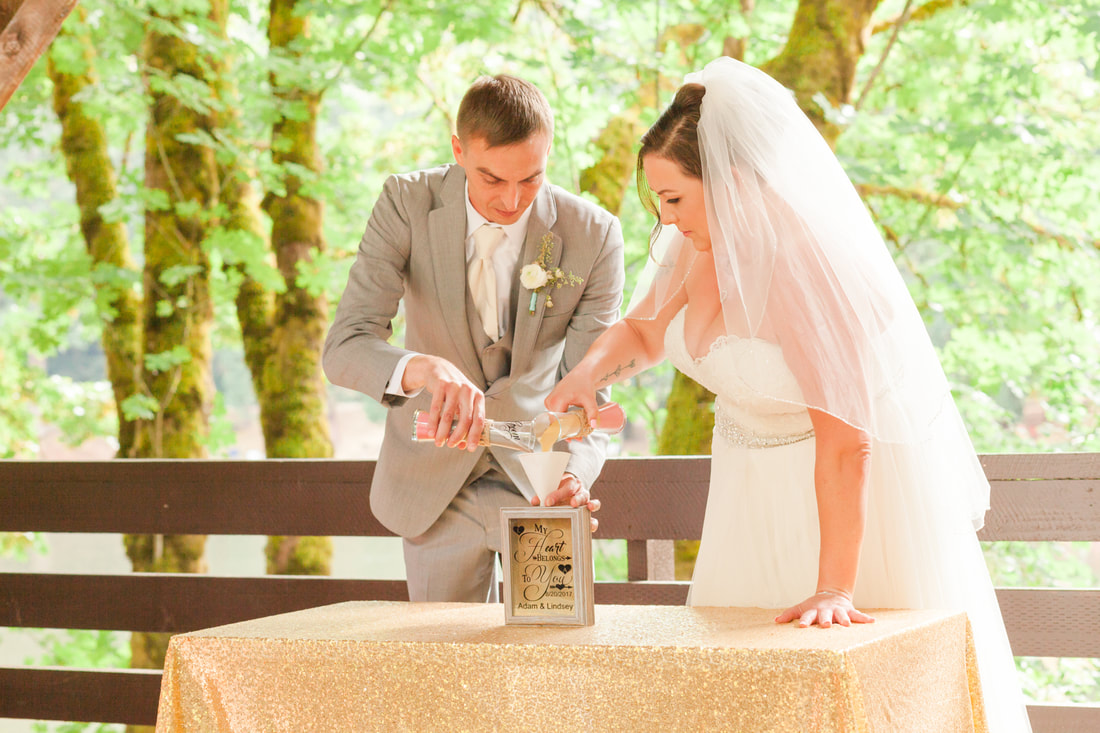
{"x":450,"y":243}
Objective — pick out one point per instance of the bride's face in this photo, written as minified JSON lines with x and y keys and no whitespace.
{"x":681,"y":199}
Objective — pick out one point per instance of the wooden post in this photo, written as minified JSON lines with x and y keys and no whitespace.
{"x":26,"y":28}
{"x":650,"y":560}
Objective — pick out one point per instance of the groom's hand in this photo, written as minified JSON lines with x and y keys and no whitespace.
{"x":455,"y":400}
{"x":572,"y":490}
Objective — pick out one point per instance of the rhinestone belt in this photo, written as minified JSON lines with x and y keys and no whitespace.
{"x":740,"y":435}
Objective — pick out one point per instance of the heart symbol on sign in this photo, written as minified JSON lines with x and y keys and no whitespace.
{"x":518,"y":529}
{"x":565,"y":568}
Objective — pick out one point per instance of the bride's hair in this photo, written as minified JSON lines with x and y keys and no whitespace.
{"x":674,"y":136}
{"x":503,"y":110}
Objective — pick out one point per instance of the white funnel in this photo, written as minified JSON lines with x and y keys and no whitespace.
{"x":544,"y":469}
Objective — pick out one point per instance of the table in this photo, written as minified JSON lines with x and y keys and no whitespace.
{"x":365,"y":666}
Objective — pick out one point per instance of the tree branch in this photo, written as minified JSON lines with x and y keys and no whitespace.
{"x":933,"y":200}
{"x":1062,"y":240}
{"x":924,"y":12}
{"x":892,"y":237}
{"x":437,"y":102}
{"x":924,"y":197}
{"x":904,"y":18}
{"x":551,"y":11}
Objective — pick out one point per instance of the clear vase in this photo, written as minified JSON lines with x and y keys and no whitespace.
{"x":539,"y":433}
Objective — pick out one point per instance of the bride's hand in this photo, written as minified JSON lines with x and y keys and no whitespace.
{"x":575,"y":388}
{"x":825,"y":608}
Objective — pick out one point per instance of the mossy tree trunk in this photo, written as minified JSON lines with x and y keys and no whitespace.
{"x":825,"y":43}
{"x":178,"y":319}
{"x":292,"y":383}
{"x":254,"y":301}
{"x":89,"y":167}
{"x":178,"y":307}
{"x":609,"y":178}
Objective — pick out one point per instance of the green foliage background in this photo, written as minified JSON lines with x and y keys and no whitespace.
{"x":975,"y":147}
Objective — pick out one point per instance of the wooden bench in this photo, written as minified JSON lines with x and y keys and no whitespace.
{"x":647,"y":501}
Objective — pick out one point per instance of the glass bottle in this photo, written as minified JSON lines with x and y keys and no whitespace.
{"x":539,"y":433}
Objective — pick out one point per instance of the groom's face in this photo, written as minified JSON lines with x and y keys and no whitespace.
{"x":505,"y":179}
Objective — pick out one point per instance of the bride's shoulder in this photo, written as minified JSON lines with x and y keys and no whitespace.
{"x":700,"y":279}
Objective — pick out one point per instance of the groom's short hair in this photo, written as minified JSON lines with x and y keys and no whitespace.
{"x":503,"y":110}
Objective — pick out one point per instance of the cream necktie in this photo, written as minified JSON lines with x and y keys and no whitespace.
{"x":483,"y":278}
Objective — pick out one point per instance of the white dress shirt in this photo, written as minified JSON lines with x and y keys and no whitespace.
{"x":504,"y":263}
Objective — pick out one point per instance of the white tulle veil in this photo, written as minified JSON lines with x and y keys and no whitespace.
{"x":800,"y":263}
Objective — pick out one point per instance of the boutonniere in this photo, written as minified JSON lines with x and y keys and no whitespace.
{"x":539,"y":275}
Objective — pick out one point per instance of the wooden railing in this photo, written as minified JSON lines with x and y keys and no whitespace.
{"x":647,"y":501}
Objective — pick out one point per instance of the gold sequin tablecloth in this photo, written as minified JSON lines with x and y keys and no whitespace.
{"x":377,"y":666}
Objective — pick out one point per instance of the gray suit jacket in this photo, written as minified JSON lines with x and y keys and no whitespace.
{"x":414,"y":250}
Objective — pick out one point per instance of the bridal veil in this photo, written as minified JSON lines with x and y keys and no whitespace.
{"x":801,"y":264}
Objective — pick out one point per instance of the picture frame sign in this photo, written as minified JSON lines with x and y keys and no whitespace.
{"x":548,"y":569}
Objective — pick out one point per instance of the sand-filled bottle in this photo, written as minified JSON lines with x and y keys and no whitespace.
{"x":539,"y":433}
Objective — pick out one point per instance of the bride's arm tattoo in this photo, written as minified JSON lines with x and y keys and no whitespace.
{"x":615,"y":373}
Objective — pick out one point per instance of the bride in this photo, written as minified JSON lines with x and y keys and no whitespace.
{"x":842,"y":476}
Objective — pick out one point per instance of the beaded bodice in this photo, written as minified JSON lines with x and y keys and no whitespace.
{"x":758,"y":401}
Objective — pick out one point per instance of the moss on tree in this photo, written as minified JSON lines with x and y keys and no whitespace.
{"x":826,"y":41}
{"x":610,"y":177}
{"x":291,"y":382}
{"x":89,"y":167}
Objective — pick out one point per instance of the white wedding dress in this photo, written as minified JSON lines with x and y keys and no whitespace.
{"x":760,"y":536}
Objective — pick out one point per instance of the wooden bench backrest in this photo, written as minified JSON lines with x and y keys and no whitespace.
{"x":647,"y":501}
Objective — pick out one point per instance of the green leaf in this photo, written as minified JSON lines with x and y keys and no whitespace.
{"x":155,"y":199}
{"x":239,"y":247}
{"x":176,"y":274}
{"x":193,"y":93}
{"x":165,"y":360}
{"x":140,"y":407}
{"x":67,"y":54}
{"x":188,"y":209}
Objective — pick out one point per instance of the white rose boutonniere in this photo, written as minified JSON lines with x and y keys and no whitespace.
{"x":538,"y":275}
{"x":533,"y":276}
